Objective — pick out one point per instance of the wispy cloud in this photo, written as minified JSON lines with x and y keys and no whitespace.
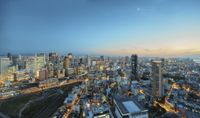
{"x":151,"y":52}
{"x":142,"y":9}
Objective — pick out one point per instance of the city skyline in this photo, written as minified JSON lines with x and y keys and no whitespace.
{"x":99,"y":58}
{"x":114,"y":27}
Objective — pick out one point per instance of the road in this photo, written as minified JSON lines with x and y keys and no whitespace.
{"x":75,"y":102}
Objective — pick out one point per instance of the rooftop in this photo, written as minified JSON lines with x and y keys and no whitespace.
{"x":131,"y":106}
{"x":127,"y":104}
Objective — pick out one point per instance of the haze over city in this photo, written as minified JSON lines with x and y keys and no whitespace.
{"x":99,"y":58}
{"x":110,"y":27}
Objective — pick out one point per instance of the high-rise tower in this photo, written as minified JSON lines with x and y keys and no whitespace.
{"x":157,"y":79}
{"x":134,"y":59}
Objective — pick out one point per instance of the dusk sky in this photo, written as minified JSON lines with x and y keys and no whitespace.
{"x":115,"y":27}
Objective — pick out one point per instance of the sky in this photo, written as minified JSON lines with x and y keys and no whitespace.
{"x":110,"y":27}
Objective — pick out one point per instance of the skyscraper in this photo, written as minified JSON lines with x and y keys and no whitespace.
{"x":89,"y":61}
{"x":4,"y":63}
{"x":80,"y":61}
{"x":70,"y":55}
{"x":40,"y":61}
{"x":53,"y":57}
{"x":126,"y":60}
{"x":66,"y":62}
{"x":9,"y":56}
{"x":31,"y":65}
{"x":157,"y":79}
{"x":71,"y":59}
{"x":134,"y":66}
{"x":101,"y":58}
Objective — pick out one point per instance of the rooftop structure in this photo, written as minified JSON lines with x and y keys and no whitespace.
{"x":97,"y":110}
{"x":129,"y":108}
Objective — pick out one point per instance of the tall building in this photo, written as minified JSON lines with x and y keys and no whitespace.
{"x":101,"y":58}
{"x":89,"y":61}
{"x":126,"y":60}
{"x":157,"y":79}
{"x":108,"y":59}
{"x":71,"y":58}
{"x":53,"y":57}
{"x":40,"y":61}
{"x":15,"y":60}
{"x":66,"y":62}
{"x":134,"y":60}
{"x":43,"y":74}
{"x":4,"y":64}
{"x":31,"y":66}
{"x":50,"y":70}
{"x":80,"y":61}
{"x":9,"y":56}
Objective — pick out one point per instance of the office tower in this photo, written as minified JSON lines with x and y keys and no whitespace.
{"x":108,"y":59}
{"x":71,"y":58}
{"x":157,"y":79}
{"x":53,"y":57}
{"x":31,"y":65}
{"x":43,"y":74}
{"x":4,"y":64}
{"x":50,"y":70}
{"x":126,"y":59}
{"x":40,"y":61}
{"x":9,"y":56}
{"x":20,"y":57}
{"x":134,"y":66}
{"x":15,"y":60}
{"x":89,"y":62}
{"x":66,"y":62}
{"x":80,"y":61}
{"x":101,"y":58}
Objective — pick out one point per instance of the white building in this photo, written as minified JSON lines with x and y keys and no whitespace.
{"x":31,"y":65}
{"x":4,"y":65}
{"x":89,"y":61}
{"x":128,"y":108}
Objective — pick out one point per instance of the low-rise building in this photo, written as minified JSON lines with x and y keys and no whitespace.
{"x":48,"y":83}
{"x":128,"y":108}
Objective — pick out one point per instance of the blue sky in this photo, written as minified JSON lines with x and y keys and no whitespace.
{"x":119,"y":27}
